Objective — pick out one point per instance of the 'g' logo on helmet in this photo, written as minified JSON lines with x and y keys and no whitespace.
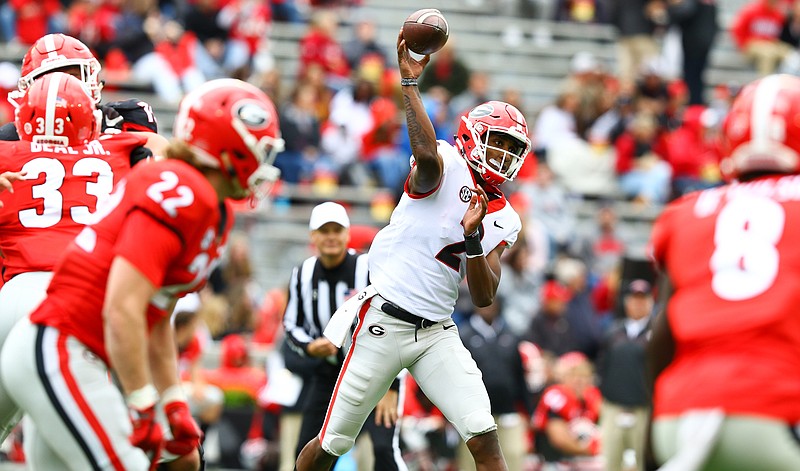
{"x":481,"y":111}
{"x":252,"y":114}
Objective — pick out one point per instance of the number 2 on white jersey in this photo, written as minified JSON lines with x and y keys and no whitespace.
{"x":745,"y":260}
{"x":49,"y":191}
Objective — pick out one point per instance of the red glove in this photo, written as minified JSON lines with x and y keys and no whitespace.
{"x":147,"y":434}
{"x":186,"y":434}
{"x":594,"y":446}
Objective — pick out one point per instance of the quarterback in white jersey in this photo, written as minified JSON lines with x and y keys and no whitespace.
{"x":419,"y":259}
{"x":452,"y":221}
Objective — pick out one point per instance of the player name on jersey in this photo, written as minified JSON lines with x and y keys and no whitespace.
{"x":91,"y":148}
{"x":781,"y":189}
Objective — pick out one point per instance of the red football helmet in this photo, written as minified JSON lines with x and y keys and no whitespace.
{"x":54,"y":51}
{"x":762,"y":131}
{"x":472,"y":139}
{"x":57,"y":110}
{"x":233,"y":126}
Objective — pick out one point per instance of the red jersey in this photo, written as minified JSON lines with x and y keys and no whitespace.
{"x":734,"y":262}
{"x":581,"y":416}
{"x":757,"y":20}
{"x":560,"y":401}
{"x":58,"y":196}
{"x":164,"y":219}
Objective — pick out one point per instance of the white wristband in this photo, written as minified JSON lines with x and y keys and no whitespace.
{"x":143,"y":397}
{"x":173,"y":393}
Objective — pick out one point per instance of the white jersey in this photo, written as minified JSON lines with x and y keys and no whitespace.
{"x":419,"y":259}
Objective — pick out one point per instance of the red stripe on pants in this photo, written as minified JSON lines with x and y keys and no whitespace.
{"x":361,"y":314}
{"x":72,"y":385}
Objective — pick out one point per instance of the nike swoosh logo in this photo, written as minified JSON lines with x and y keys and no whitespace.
{"x":445,"y":327}
{"x":497,"y":225}
{"x":113,"y":122}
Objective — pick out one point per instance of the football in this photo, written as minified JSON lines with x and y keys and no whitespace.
{"x":426,"y":31}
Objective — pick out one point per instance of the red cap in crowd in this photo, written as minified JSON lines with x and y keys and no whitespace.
{"x":555,"y":291}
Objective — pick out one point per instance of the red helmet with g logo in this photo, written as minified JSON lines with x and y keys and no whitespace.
{"x":233,"y":126}
{"x":55,"y":51}
{"x":473,"y":140}
{"x":762,"y":130}
{"x":56,"y":109}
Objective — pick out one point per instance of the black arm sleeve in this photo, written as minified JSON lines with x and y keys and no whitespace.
{"x":8,"y":132}
{"x":136,"y":115}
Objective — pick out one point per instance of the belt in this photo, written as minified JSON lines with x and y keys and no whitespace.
{"x":405,"y":316}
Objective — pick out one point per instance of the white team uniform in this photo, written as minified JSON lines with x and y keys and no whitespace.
{"x":417,"y":263}
{"x":409,"y":258}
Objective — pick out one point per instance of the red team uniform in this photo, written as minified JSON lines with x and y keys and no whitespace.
{"x":57,"y":197}
{"x":733,"y":262}
{"x":741,"y":303}
{"x":177,"y":208}
{"x":68,"y":172}
{"x":154,"y":239}
{"x":581,"y":414}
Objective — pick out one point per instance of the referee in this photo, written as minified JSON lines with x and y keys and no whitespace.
{"x":318,"y":287}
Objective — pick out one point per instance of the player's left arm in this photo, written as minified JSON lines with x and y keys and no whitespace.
{"x":661,"y":348}
{"x":659,"y":354}
{"x":128,"y":293}
{"x":163,"y":360}
{"x":483,"y":270}
{"x":162,"y":355}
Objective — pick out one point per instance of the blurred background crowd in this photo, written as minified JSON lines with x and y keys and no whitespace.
{"x":625,"y":99}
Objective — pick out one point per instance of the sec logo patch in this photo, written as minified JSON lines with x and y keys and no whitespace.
{"x":465,"y":193}
{"x":376,"y":330}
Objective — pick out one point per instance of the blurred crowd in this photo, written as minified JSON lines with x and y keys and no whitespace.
{"x":645,"y":130}
{"x":573,"y":306}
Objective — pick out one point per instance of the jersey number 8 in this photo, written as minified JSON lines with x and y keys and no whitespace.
{"x":745,"y":260}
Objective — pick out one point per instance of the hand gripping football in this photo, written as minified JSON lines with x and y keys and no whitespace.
{"x":426,"y":31}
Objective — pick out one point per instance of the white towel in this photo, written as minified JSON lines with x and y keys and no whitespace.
{"x":342,"y":320}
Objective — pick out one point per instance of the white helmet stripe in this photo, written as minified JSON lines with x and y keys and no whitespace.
{"x":762,"y":120}
{"x":50,"y":108}
{"x":50,"y":45}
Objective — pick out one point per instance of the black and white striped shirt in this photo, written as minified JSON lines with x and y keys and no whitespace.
{"x":315,"y":293}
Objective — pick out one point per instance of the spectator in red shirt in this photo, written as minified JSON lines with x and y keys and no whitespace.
{"x":34,"y":19}
{"x":565,"y":422}
{"x":643,"y":173}
{"x":693,"y":151}
{"x":247,"y":21}
{"x":319,"y":46}
{"x":92,"y":22}
{"x":380,"y":145}
{"x":756,"y":30}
